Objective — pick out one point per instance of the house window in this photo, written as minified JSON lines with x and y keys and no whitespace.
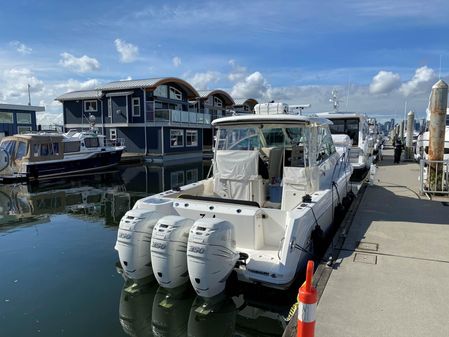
{"x":218,"y":102}
{"x":161,"y":91}
{"x":90,"y":106}
{"x":23,"y":118}
{"x":113,"y":134}
{"x":175,"y":94}
{"x":23,"y":129}
{"x":176,"y":138}
{"x":191,"y":138}
{"x":6,"y":118}
{"x":109,"y":107}
{"x":136,"y":106}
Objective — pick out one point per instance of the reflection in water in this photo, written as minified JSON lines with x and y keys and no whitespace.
{"x":146,"y":180}
{"x":214,"y":316}
{"x":135,"y":309}
{"x":149,"y":310}
{"x":90,"y":199}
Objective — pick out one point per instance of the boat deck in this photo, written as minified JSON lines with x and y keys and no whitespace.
{"x":393,"y":269}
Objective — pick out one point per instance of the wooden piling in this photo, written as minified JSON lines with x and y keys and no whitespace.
{"x":437,"y":128}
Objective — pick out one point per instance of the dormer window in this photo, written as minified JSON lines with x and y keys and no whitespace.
{"x":90,"y":106}
{"x":218,"y":102}
{"x":175,"y":94}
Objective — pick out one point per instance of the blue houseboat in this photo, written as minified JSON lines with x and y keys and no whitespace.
{"x":16,"y":119}
{"x":161,"y":118}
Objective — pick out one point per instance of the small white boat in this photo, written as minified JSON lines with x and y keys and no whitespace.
{"x":277,"y":179}
{"x":355,"y":125}
{"x":34,"y":156}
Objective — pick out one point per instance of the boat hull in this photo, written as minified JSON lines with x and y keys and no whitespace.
{"x":95,"y":162}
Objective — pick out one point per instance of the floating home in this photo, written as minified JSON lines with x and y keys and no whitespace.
{"x":16,"y":119}
{"x":161,"y":118}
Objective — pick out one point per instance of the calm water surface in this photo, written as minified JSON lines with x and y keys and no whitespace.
{"x":59,"y":275}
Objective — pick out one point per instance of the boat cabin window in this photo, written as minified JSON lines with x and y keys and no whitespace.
{"x":21,"y":150}
{"x":72,"y":146}
{"x":238,"y":139}
{"x":45,"y":150}
{"x":91,"y":142}
{"x":56,"y":149}
{"x":287,"y":145}
{"x":349,"y":126}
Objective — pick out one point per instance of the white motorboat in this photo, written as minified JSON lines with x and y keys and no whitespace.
{"x":277,"y":180}
{"x":34,"y":156}
{"x":355,"y":125}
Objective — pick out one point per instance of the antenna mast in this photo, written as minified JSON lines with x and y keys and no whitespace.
{"x":334,"y":100}
{"x":29,"y":94}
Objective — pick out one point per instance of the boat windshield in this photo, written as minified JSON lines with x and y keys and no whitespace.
{"x":251,"y":138}
{"x":8,"y":145}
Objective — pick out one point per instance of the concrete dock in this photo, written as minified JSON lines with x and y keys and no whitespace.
{"x":392,"y":274}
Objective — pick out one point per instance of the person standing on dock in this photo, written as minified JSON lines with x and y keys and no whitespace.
{"x":397,"y":151}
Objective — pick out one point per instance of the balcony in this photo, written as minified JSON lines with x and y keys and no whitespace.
{"x":177,"y":117}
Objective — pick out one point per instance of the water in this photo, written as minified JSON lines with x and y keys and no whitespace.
{"x":59,"y":274}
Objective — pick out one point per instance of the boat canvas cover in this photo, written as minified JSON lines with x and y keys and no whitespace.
{"x":233,"y":172}
{"x":342,"y":140}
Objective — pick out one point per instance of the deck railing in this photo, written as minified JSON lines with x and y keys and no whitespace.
{"x":434,"y":176}
{"x":171,"y":116}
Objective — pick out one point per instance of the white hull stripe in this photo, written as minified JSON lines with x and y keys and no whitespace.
{"x":306,"y":312}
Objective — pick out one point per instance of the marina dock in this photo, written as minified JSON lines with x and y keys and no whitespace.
{"x":390,"y":278}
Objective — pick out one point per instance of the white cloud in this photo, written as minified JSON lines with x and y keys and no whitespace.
{"x":81,"y":64}
{"x":14,"y":83}
{"x":74,"y":85}
{"x":128,"y":52}
{"x":421,"y":81}
{"x":48,"y":118}
{"x":237,"y":72}
{"x":176,"y":61}
{"x":202,"y":80}
{"x":252,"y":86}
{"x":21,"y":47}
{"x":384,"y":82}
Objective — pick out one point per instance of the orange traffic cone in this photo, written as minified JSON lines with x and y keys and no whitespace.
{"x":307,"y":299}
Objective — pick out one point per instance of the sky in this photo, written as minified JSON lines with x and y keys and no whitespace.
{"x":381,"y":56}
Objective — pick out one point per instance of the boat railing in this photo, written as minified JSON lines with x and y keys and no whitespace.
{"x":115,"y":142}
{"x":434,"y":176}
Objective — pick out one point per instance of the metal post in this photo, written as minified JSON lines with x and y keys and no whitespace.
{"x":410,"y":129}
{"x":401,"y":131}
{"x":437,"y":128}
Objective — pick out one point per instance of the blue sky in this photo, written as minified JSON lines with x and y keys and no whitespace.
{"x":377,"y":54}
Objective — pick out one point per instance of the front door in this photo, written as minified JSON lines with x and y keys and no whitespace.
{"x":119,"y":109}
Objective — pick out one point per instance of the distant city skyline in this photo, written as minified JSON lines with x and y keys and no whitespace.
{"x":377,"y":54}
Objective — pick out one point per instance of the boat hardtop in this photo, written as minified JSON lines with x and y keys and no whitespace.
{"x":278,"y":118}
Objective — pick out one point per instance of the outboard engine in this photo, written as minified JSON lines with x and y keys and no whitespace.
{"x":211,"y":255}
{"x":134,"y":243}
{"x":169,"y":250}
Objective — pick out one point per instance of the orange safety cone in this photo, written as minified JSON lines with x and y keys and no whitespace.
{"x":307,"y":299}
